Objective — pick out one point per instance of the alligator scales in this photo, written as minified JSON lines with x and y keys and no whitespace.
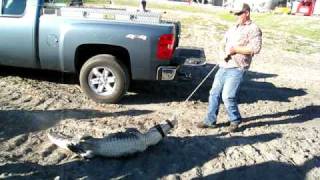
{"x":116,"y":144}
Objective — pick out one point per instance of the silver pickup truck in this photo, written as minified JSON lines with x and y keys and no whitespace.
{"x":107,"y":48}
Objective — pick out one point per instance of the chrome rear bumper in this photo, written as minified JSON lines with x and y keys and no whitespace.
{"x":166,"y":73}
{"x":183,"y":57}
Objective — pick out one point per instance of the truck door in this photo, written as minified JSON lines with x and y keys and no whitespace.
{"x":18,"y":20}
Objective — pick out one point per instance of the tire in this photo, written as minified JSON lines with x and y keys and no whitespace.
{"x":104,"y":79}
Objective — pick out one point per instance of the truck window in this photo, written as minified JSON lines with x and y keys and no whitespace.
{"x":13,"y":7}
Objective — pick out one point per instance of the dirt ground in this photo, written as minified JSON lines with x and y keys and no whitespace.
{"x":278,"y":139}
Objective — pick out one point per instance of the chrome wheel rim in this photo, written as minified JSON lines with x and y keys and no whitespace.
{"x":102,"y":81}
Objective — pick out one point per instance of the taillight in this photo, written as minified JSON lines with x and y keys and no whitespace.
{"x":165,"y":47}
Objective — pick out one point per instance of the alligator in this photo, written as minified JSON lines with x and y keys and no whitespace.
{"x":117,"y":144}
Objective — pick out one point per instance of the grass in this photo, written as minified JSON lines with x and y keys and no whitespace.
{"x":290,"y":24}
{"x":226,"y":16}
{"x":292,"y":33}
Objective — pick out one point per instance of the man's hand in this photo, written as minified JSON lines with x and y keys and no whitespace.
{"x":227,"y":56}
{"x":232,"y":51}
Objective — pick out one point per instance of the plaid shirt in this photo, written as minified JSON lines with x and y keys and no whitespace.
{"x":248,"y":35}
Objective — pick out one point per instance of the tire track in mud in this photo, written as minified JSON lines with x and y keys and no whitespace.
{"x":29,"y":98}
{"x":35,"y":148}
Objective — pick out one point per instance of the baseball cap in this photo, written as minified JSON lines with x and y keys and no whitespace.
{"x":241,"y":9}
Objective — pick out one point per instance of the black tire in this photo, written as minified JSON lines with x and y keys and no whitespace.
{"x":106,"y":63}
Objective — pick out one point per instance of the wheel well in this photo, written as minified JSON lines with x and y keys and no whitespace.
{"x":86,"y":51}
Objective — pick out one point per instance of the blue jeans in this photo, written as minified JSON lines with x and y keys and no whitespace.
{"x":226,"y":83}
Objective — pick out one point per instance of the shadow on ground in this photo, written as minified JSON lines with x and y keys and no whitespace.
{"x":269,"y":171}
{"x":41,"y":75}
{"x":302,"y":115}
{"x":174,"y":155}
{"x":21,"y":121}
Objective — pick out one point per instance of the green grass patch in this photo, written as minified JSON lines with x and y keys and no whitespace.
{"x":275,"y":26}
{"x":226,"y":16}
{"x":293,"y":44}
{"x":291,"y":25}
{"x":221,"y":27}
{"x":304,"y":31}
{"x":127,"y":2}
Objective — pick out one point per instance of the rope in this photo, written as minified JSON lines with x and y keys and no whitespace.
{"x":174,"y":116}
{"x":203,"y":80}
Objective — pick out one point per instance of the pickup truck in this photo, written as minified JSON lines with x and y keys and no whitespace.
{"x":107,"y":48}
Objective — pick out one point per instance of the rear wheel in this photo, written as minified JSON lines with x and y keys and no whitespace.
{"x":104,"y":79}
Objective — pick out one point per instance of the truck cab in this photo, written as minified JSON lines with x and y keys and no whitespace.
{"x":18,"y":33}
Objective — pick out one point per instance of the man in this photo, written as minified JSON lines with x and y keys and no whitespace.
{"x":144,"y":5}
{"x":240,"y":43}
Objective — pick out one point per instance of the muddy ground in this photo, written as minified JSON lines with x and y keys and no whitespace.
{"x":278,"y":139}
